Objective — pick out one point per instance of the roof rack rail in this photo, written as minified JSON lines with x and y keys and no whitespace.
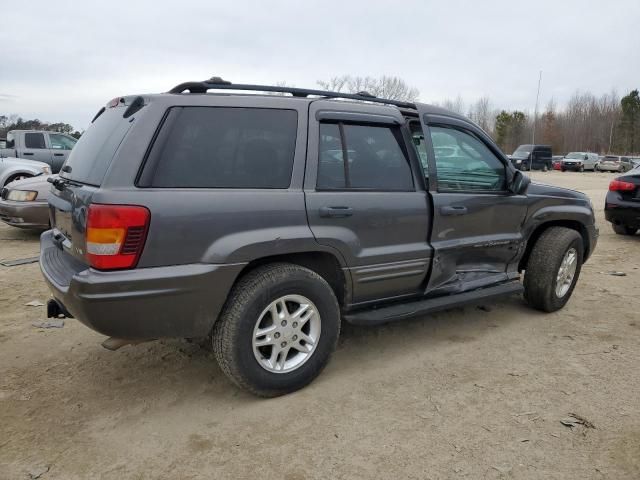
{"x":217,"y":83}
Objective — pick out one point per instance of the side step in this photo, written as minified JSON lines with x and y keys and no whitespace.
{"x":377,"y":316}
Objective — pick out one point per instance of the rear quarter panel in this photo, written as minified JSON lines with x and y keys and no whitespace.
{"x":200,"y":225}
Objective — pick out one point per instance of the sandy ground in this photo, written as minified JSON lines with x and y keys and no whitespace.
{"x":463,"y":394}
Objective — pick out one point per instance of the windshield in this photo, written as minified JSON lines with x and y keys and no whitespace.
{"x":521,"y":153}
{"x":611,"y":159}
{"x":576,"y":155}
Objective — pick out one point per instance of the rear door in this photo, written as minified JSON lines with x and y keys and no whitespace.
{"x":35,"y":147}
{"x":365,"y":198}
{"x":477,"y":221}
{"x":60,"y":146}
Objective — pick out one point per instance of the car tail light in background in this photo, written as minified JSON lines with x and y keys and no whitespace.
{"x":115,"y":235}
{"x":620,"y":186}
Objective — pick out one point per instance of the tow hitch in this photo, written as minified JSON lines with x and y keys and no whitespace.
{"x":55,"y":310}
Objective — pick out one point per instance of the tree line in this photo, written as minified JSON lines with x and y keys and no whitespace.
{"x":604,"y":124}
{"x":14,"y":122}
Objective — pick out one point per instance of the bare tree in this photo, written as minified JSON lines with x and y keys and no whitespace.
{"x":393,"y":88}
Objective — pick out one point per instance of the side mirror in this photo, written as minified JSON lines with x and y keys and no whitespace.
{"x":519,"y":183}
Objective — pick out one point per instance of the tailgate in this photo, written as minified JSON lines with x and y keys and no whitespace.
{"x":68,"y":208}
{"x":83,"y":173}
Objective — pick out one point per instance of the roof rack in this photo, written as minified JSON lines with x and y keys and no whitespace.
{"x":217,"y":83}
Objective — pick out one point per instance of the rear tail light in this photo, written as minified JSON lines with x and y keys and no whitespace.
{"x":620,"y":186}
{"x":115,"y":235}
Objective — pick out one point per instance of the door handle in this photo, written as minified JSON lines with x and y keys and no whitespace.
{"x":27,"y":153}
{"x":456,"y":210}
{"x":336,"y":212}
{"x":58,"y":154}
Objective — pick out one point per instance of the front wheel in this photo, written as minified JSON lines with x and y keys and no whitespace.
{"x":553,"y":269}
{"x":623,"y":229}
{"x":277,"y":330}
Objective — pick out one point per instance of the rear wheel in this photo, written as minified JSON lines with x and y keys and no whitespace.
{"x":553,"y":269}
{"x":278,"y":328}
{"x":624,"y":229}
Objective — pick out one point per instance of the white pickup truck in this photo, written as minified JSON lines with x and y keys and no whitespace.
{"x":51,"y":148}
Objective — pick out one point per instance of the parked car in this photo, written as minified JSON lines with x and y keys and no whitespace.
{"x":236,"y":217}
{"x":622,"y":204}
{"x":532,"y":157}
{"x":51,"y":148}
{"x":556,"y":162}
{"x":580,"y":161}
{"x":614,"y":163}
{"x":12,"y":169}
{"x":24,"y":203}
{"x":635,"y":161}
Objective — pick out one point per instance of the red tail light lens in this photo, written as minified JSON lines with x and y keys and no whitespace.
{"x":115,"y":235}
{"x":620,"y":186}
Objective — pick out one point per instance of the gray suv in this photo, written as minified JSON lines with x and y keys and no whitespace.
{"x":260,"y":221}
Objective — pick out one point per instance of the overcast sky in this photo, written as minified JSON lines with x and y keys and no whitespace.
{"x":62,"y":60}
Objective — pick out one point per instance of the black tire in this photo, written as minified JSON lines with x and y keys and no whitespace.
{"x":233,"y":332}
{"x":581,"y":169}
{"x":543,"y":265}
{"x":563,"y":169}
{"x":624,"y":229}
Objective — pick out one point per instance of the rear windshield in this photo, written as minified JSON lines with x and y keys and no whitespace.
{"x":92,"y":155}
{"x":611,"y":159}
{"x":220,"y":147}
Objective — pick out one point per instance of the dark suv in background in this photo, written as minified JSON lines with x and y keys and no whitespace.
{"x":260,"y":221}
{"x":533,"y":157}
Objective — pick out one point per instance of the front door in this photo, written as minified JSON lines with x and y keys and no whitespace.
{"x":35,"y":148}
{"x":365,"y":199}
{"x":477,"y":221}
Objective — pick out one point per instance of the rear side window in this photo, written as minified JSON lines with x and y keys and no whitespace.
{"x":34,"y":140}
{"x":92,"y":154}
{"x":220,"y":147}
{"x":375,"y":159}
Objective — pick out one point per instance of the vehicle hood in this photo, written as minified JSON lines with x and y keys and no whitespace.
{"x":544,"y":190}
{"x":38,"y":184}
{"x":7,"y":162}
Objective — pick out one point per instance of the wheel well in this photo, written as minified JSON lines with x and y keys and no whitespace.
{"x":17,"y":174}
{"x":324,"y":264}
{"x":533,"y":238}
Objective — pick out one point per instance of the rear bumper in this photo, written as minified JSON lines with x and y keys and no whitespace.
{"x":145,"y":303}
{"x":622,"y":212}
{"x":33,"y":215}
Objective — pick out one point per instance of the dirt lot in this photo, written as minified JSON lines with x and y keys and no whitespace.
{"x":464,"y":394}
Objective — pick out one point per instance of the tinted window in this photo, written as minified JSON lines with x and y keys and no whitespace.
{"x":215,"y":147}
{"x":61,"y":142}
{"x":92,"y":154}
{"x":375,"y":159}
{"x":34,"y":140}
{"x":465,"y":163}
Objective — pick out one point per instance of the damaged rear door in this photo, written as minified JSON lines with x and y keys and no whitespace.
{"x":477,"y":221}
